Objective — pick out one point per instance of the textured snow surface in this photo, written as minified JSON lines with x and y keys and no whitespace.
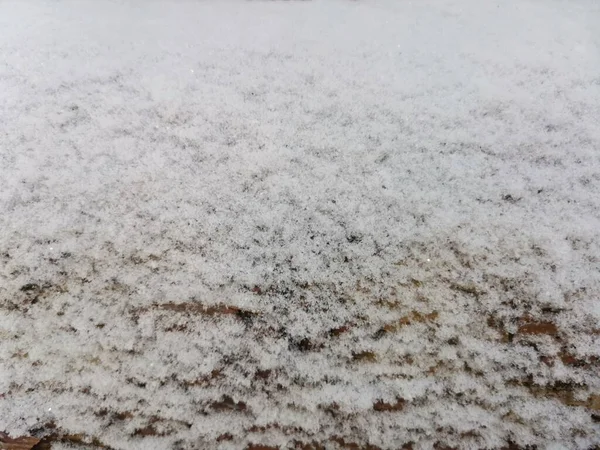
{"x":344,"y":224}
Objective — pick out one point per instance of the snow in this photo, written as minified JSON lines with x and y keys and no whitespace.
{"x":228,"y":224}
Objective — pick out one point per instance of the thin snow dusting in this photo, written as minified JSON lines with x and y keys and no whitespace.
{"x":300,"y":225}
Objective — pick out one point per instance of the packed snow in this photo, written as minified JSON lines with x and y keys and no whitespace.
{"x":310,"y":225}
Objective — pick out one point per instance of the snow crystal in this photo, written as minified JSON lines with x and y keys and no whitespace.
{"x":298,"y":223}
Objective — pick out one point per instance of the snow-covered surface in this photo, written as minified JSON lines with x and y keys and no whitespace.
{"x":226,"y":224}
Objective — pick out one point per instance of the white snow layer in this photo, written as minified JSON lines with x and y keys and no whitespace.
{"x":342,"y":224}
